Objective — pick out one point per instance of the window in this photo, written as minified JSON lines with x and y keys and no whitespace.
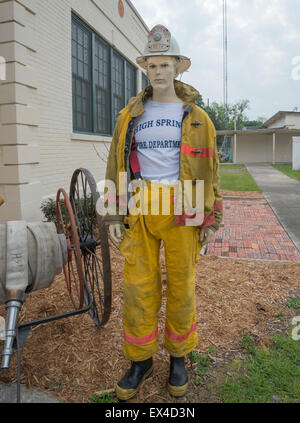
{"x":103,"y":81}
{"x":102,"y":87}
{"x":82,"y":82}
{"x":131,"y":82}
{"x":118,"y":84}
{"x":145,"y":81}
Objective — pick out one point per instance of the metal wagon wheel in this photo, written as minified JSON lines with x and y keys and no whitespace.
{"x":93,"y":244}
{"x":73,"y":270}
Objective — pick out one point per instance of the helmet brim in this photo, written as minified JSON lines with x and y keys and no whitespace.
{"x":183,"y":63}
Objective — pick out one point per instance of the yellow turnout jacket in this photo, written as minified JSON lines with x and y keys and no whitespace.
{"x":198,"y":153}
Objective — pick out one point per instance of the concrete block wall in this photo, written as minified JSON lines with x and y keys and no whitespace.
{"x":259,"y":148}
{"x":19,"y":155}
{"x":254,"y":148}
{"x":38,"y":149}
{"x":283,"y":148}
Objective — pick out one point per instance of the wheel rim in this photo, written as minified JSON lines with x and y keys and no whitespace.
{"x":93,"y":244}
{"x":73,"y":269}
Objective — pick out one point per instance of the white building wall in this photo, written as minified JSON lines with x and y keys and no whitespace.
{"x":293,"y":121}
{"x":38,"y":150}
{"x":296,"y":153}
{"x":289,"y":119}
{"x":254,"y":148}
{"x":259,"y":148}
{"x":279,"y":123}
{"x":284,"y":149}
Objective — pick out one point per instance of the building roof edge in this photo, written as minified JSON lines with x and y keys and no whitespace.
{"x":137,"y":13}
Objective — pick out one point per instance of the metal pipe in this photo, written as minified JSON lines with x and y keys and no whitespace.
{"x":12,"y":308}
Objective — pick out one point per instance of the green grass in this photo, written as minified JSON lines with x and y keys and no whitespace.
{"x":293,"y":302}
{"x":204,"y":362}
{"x":238,"y":182}
{"x":232,"y":166}
{"x":265,"y":373}
{"x":107,"y":397}
{"x":287,"y":170}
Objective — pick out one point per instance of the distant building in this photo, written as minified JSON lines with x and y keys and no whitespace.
{"x":70,"y":69}
{"x":270,"y":143}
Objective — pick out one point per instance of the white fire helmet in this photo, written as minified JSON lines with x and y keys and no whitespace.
{"x":162,"y":43}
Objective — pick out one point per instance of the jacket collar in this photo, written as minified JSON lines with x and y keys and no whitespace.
{"x":185,"y":92}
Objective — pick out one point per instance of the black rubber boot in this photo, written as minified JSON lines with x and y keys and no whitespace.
{"x":130,"y":383}
{"x":178,"y":379}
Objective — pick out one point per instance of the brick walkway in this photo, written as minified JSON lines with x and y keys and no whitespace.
{"x":250,"y":229}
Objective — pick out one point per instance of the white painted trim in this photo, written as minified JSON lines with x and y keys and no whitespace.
{"x":90,"y":138}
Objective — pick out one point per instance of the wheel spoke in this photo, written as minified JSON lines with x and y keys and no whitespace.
{"x":94,"y":244}
{"x":66,"y":224}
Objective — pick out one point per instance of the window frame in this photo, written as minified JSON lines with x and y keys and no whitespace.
{"x":146,"y":80}
{"x":95,"y":36}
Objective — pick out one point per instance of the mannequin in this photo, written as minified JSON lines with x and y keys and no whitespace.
{"x":161,"y":72}
{"x":162,"y":137}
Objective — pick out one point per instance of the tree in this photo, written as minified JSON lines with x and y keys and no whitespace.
{"x":258,"y":122}
{"x":224,"y":116}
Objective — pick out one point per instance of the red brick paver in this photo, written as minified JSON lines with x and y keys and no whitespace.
{"x":250,"y":229}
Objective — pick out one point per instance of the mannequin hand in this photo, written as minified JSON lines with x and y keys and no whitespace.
{"x":206,"y":235}
{"x":115,"y":232}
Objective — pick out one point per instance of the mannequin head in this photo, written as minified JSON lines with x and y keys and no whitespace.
{"x":162,"y":43}
{"x":161,"y":72}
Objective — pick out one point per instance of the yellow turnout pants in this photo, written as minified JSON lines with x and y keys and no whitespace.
{"x":142,"y":291}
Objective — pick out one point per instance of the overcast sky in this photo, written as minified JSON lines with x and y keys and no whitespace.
{"x":263,"y":40}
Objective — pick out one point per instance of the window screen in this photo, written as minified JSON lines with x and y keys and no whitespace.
{"x":81,"y":76}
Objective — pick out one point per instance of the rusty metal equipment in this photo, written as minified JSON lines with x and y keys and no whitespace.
{"x":93,"y":244}
{"x":32,"y":254}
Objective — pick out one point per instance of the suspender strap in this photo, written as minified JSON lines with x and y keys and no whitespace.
{"x":134,"y":161}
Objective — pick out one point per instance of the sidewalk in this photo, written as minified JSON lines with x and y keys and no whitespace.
{"x":8,"y":395}
{"x":258,"y":228}
{"x":282,"y":194}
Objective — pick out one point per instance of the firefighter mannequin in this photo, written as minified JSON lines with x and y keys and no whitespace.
{"x":164,"y":111}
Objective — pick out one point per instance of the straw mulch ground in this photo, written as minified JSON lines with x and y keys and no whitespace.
{"x":72,"y":358}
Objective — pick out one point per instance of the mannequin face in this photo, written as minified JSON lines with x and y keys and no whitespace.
{"x":161,"y":72}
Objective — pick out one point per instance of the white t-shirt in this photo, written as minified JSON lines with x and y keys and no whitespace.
{"x":158,"y":139}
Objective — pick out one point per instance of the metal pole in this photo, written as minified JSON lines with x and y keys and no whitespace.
{"x":13,"y":308}
{"x":274,"y":146}
{"x":234,"y":143}
{"x":37,"y":322}
{"x":225,"y":77}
